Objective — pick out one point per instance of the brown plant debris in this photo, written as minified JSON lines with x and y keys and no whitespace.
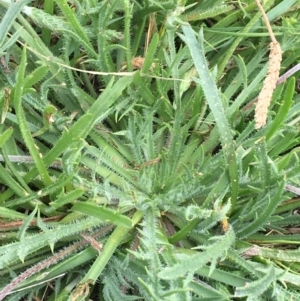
{"x":137,"y":64}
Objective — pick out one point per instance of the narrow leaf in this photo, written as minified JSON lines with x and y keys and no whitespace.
{"x":103,"y":213}
{"x":5,"y":136}
{"x":26,"y":223}
{"x":112,"y":243}
{"x":35,"y":76}
{"x":68,"y":198}
{"x":285,"y":106}
{"x":11,"y":214}
{"x":24,"y":128}
{"x":246,"y":230}
{"x":215,"y":103}
{"x":12,"y":12}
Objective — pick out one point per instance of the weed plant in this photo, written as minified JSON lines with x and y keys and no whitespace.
{"x":132,"y":168}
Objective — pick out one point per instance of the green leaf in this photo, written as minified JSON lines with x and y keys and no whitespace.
{"x":11,"y":41}
{"x":256,"y":288}
{"x":5,"y":136}
{"x":24,"y":128}
{"x":9,"y":253}
{"x":35,"y":76}
{"x":13,"y":11}
{"x":7,"y":179}
{"x":200,"y":14}
{"x":75,"y":25}
{"x":249,"y":228}
{"x":26,"y":223}
{"x":11,"y":214}
{"x":67,"y":198}
{"x":215,"y":103}
{"x":85,"y":123}
{"x":226,"y":277}
{"x":263,"y":164}
{"x":242,"y":67}
{"x":103,"y":214}
{"x":150,"y":53}
{"x":281,"y":255}
{"x":287,"y":101}
{"x":206,"y":292}
{"x":193,"y":263}
{"x":112,"y":243}
{"x":25,"y":198}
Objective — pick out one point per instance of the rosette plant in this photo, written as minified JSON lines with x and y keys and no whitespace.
{"x":131,"y":167}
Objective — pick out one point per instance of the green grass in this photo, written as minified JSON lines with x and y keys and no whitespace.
{"x":132,"y":167}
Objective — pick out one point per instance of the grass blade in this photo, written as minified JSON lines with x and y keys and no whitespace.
{"x":104,"y":214}
{"x":24,"y":128}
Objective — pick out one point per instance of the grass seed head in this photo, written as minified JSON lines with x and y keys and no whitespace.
{"x":265,"y":95}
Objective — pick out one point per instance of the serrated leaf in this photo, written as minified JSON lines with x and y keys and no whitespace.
{"x":214,"y":100}
{"x":194,"y":263}
{"x":256,"y":288}
{"x":35,"y":242}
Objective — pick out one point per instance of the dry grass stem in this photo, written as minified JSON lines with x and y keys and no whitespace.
{"x":265,"y":17}
{"x":151,"y":30}
{"x":265,"y":95}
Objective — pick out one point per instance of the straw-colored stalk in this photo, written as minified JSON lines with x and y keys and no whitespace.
{"x":265,"y":95}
